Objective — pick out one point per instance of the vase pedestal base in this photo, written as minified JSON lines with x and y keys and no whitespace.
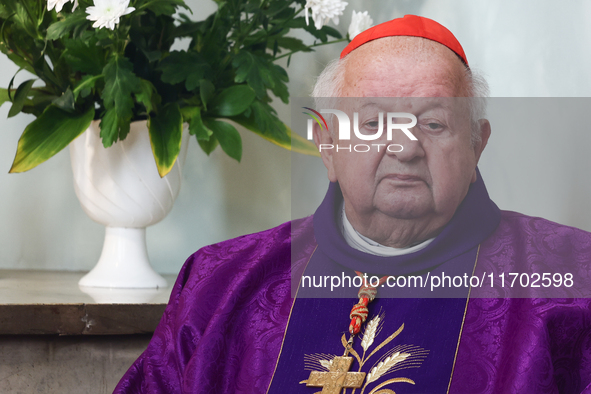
{"x":124,"y":262}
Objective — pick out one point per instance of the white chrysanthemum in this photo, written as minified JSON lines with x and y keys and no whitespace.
{"x":106,"y":13}
{"x":360,"y":21}
{"x":323,"y":10}
{"x":58,"y":4}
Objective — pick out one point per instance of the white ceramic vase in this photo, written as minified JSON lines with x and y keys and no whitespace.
{"x":120,"y":188}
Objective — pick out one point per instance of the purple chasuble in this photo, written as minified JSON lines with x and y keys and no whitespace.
{"x":227,"y":327}
{"x":427,"y":344}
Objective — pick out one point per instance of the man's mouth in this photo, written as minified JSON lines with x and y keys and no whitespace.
{"x":403,"y":178}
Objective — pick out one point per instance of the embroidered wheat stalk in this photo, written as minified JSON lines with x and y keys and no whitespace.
{"x":385,"y":365}
{"x":370,"y":333}
{"x":326,"y":363}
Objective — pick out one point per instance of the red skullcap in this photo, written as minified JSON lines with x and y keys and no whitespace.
{"x":410,"y":25}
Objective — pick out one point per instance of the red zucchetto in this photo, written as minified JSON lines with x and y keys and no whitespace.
{"x":410,"y":25}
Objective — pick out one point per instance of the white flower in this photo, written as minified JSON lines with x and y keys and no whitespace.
{"x":106,"y":13}
{"x":360,"y":21}
{"x":59,"y":4}
{"x":323,"y":10}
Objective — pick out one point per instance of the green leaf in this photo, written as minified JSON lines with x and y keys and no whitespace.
{"x":16,"y":59}
{"x":268,"y":123}
{"x":264,"y":122}
{"x":188,"y":112}
{"x":209,"y":145}
{"x":261,"y":74}
{"x":278,"y":78}
{"x":274,"y":8}
{"x":86,"y":57}
{"x":84,"y":88}
{"x":166,"y":129}
{"x":180,"y":66}
{"x":113,"y":127}
{"x":291,"y":43}
{"x":331,"y":31}
{"x":3,"y":96}
{"x":120,"y":84}
{"x":65,"y":101}
{"x":20,"y":96}
{"x":228,"y":137}
{"x":74,"y":22}
{"x":152,"y":56}
{"x":246,"y":66}
{"x":320,"y":34}
{"x":25,"y":19}
{"x":294,"y":142}
{"x":4,"y":11}
{"x":51,"y":132}
{"x":165,"y":7}
{"x":148,"y":96}
{"x":233,"y":101}
{"x":196,"y":126}
{"x":38,"y":100}
{"x":206,"y":90}
{"x":298,"y":23}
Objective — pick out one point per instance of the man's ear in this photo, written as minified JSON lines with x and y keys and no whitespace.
{"x":485,"y":130}
{"x":325,"y":144}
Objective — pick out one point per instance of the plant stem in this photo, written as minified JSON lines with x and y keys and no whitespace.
{"x":311,"y":46}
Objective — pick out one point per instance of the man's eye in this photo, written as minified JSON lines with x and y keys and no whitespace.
{"x":433,"y":126}
{"x":373,"y":124}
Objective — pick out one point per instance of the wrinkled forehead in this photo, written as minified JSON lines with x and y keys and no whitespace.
{"x":451,"y":108}
{"x":404,"y":67}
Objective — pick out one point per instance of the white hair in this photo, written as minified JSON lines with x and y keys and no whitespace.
{"x":330,"y":83}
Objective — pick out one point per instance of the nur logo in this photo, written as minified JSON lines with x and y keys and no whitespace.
{"x":345,"y":129}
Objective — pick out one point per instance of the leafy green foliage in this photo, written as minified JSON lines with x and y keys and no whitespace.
{"x":74,"y":23}
{"x":86,"y":57}
{"x":51,"y":132}
{"x":294,"y":142}
{"x":86,"y":85}
{"x":228,"y":137}
{"x":209,"y":145}
{"x":120,"y":81}
{"x":164,"y":7}
{"x":147,"y":96}
{"x":113,"y":127}
{"x":3,"y":96}
{"x":228,"y":72}
{"x":20,"y":96}
{"x":206,"y":91}
{"x":266,"y":119}
{"x":180,"y":66}
{"x":261,"y":75}
{"x":165,"y":137}
{"x":197,"y":127}
{"x":65,"y":101}
{"x":233,"y":101}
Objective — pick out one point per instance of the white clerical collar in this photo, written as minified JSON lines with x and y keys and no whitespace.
{"x":367,"y":245}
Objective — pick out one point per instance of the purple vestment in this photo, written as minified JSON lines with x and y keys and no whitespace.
{"x":225,"y":326}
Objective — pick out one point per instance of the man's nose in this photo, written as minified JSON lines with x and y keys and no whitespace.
{"x":405,"y":149}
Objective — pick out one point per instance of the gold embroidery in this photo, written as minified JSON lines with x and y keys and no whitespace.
{"x":288,"y":320}
{"x":463,"y":321}
{"x":332,"y":373}
{"x":337,"y":377}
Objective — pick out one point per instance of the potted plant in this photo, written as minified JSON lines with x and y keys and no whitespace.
{"x":103,"y":66}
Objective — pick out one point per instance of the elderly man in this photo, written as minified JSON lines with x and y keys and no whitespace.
{"x":418,"y":210}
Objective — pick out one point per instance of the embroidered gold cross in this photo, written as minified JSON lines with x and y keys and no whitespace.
{"x":337,"y":378}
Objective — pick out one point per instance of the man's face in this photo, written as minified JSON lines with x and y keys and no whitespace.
{"x":421,"y":186}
